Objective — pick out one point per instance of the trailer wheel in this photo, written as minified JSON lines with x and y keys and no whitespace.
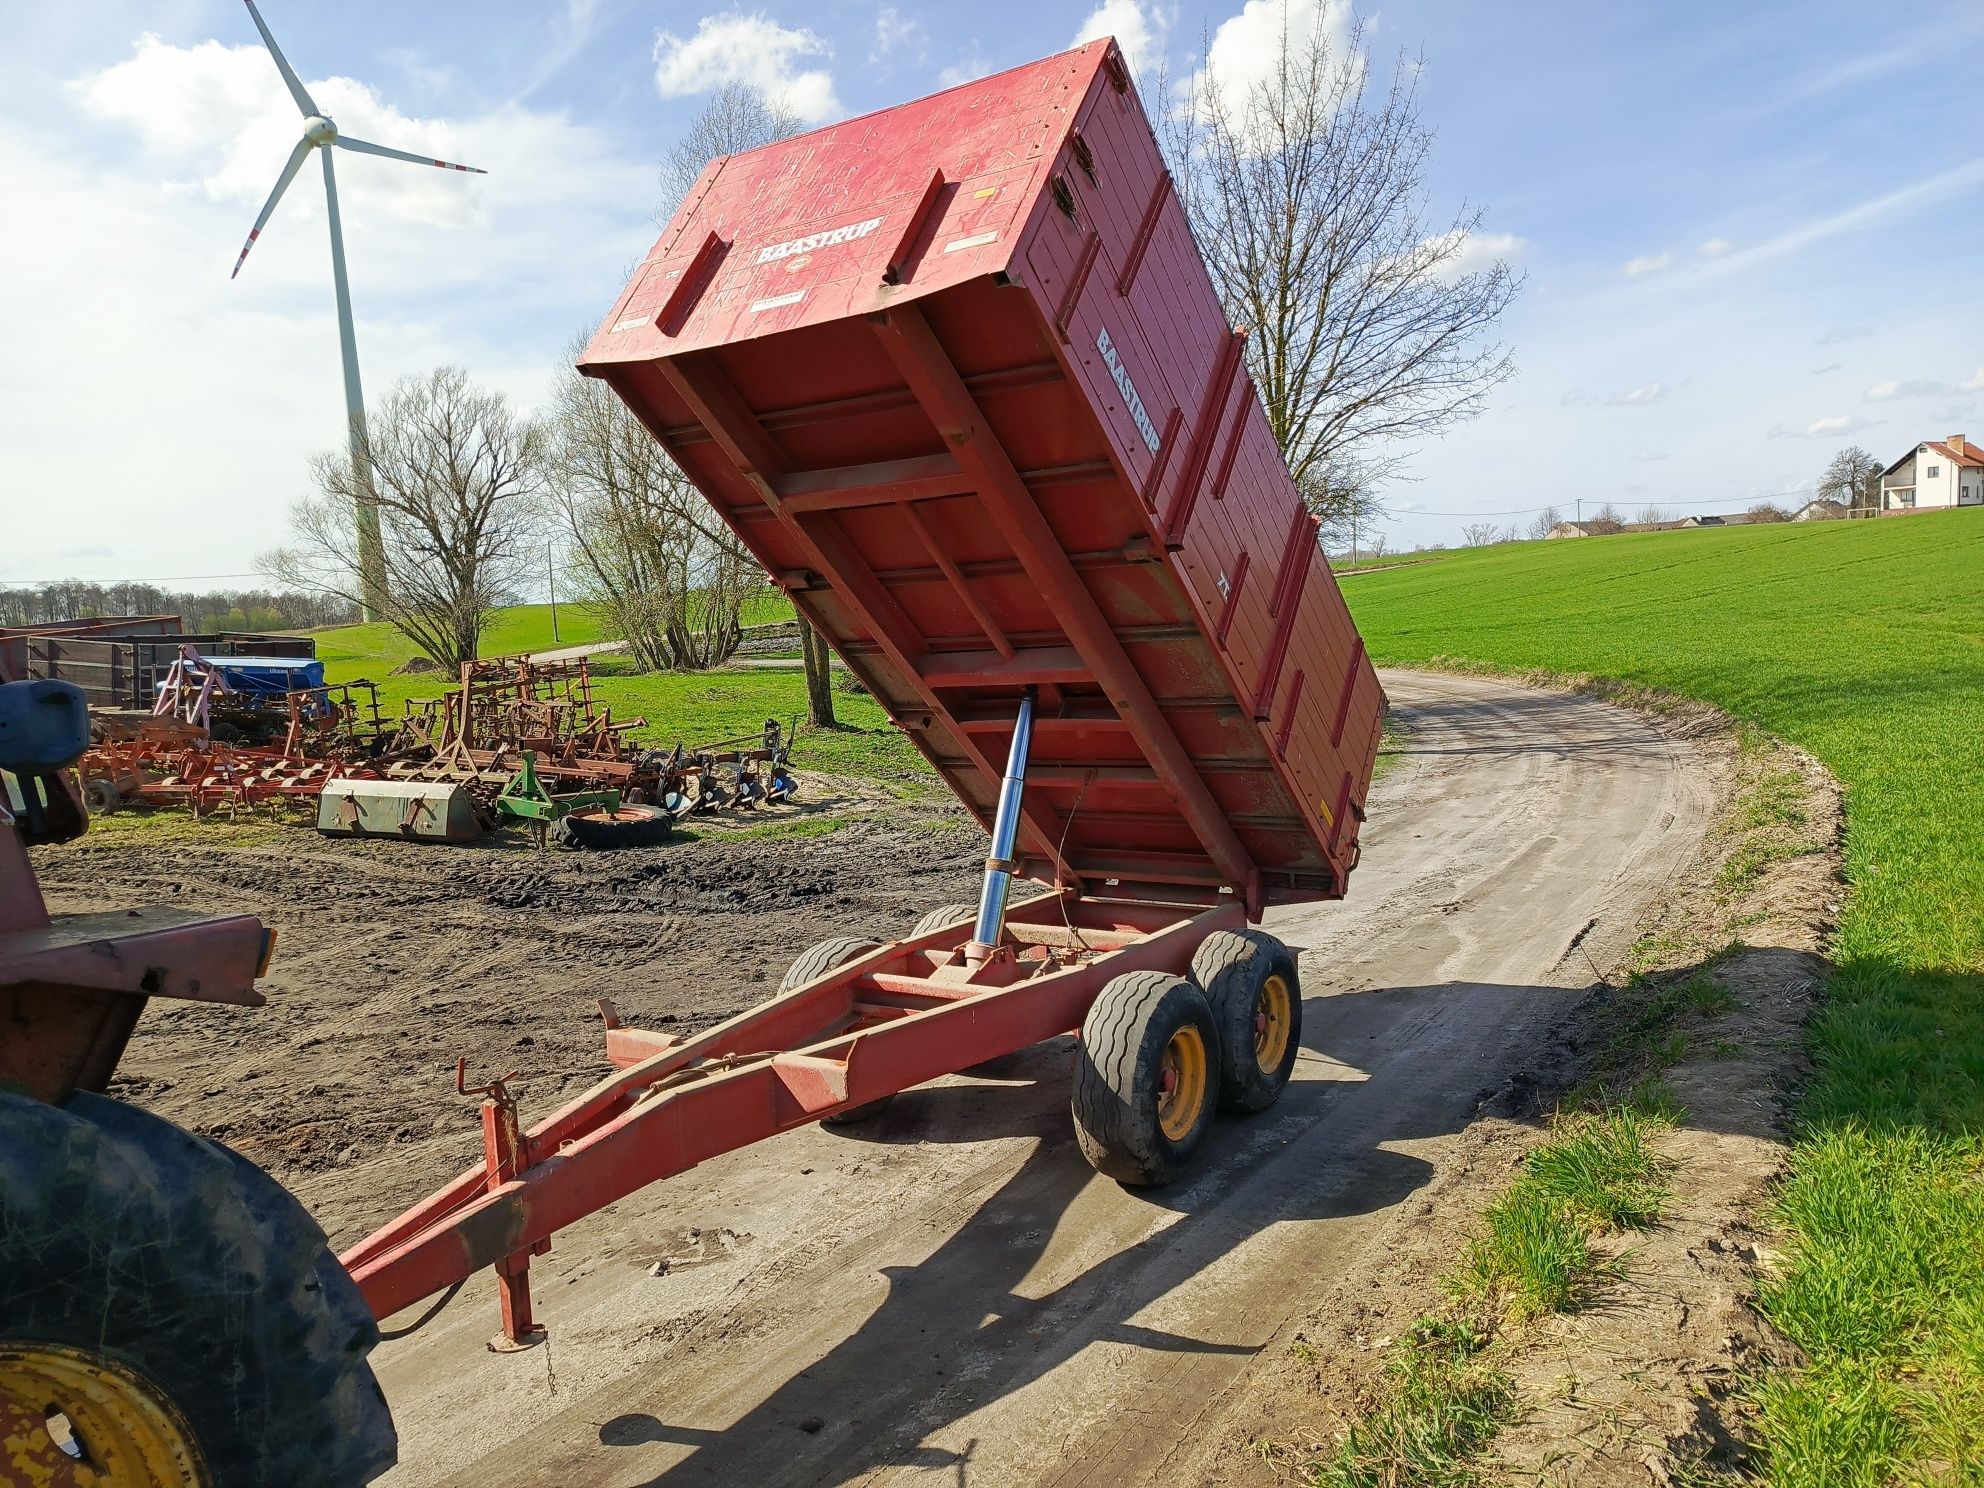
{"x":948,"y":914}
{"x":1146,"y":1078}
{"x":1250,"y":979}
{"x":633,"y":825}
{"x":173,"y":1313}
{"x":101,"y":796}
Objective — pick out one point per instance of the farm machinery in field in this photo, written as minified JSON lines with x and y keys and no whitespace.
{"x":971,"y":400}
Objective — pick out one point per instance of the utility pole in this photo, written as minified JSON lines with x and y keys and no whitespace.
{"x":551,"y":583}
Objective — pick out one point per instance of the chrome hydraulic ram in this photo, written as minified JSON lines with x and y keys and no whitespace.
{"x":1005,"y":833}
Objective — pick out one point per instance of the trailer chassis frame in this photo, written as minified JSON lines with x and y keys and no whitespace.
{"x":905,"y":1014}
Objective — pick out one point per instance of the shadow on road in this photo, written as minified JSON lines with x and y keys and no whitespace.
{"x":970,"y":1325}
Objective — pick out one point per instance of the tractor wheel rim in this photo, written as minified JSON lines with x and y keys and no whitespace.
{"x":1273,"y":1022}
{"x":1181,"y":1084}
{"x":75,"y":1414}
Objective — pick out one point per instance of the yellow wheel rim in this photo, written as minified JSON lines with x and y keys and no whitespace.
{"x":69,"y":1418}
{"x":1181,"y":1084}
{"x":1274,"y":1022}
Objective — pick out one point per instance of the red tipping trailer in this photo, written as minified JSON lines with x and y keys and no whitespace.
{"x":956,"y":375}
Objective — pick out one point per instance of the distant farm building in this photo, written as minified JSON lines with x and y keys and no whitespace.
{"x":1940,"y":472}
{"x":1820,"y":511}
{"x":1600,"y":527}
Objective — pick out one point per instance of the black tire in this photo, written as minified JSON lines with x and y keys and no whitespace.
{"x":1250,"y":980}
{"x":936,"y":919}
{"x":100,"y":796}
{"x":1129,"y":1127}
{"x":824,"y":957}
{"x":123,"y":1236}
{"x":633,"y":825}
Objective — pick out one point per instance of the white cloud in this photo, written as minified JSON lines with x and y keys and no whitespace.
{"x":1825,"y":428}
{"x":1647,"y":457}
{"x":753,"y":50}
{"x":1715,"y":247}
{"x":1461,"y":252}
{"x":1972,"y":384}
{"x":1885,"y":210}
{"x":1887,"y":392}
{"x":1647,"y":263}
{"x":221,"y":115}
{"x":1639,"y":397}
{"x":1139,"y":30}
{"x":973,"y":64}
{"x":898,"y":35}
{"x":1247,"y":46}
{"x":1841,"y":333}
{"x":1828,"y":367}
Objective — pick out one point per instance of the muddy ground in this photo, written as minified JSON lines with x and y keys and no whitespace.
{"x":392,"y":959}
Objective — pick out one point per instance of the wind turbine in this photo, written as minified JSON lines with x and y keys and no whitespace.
{"x":319,"y":133}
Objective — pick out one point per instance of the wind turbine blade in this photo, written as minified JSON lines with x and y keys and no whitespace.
{"x":366,"y":147}
{"x":296,"y":88}
{"x":303,"y":148}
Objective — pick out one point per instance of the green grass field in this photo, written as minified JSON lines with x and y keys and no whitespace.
{"x":1862,"y":642}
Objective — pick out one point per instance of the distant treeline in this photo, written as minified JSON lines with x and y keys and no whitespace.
{"x":226,"y":609}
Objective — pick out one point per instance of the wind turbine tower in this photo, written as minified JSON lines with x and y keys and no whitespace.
{"x":319,"y":133}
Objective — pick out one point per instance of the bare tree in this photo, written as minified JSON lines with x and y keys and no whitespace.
{"x":1479,"y":534}
{"x":1604,"y":521}
{"x":456,"y":476}
{"x":737,"y":117}
{"x":666,"y":574}
{"x":1545,"y":520}
{"x":1768,"y":511}
{"x":1853,"y":479}
{"x":1654,"y":514}
{"x":740,"y":117}
{"x":1368,"y":323}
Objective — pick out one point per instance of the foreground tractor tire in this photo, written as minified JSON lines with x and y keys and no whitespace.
{"x":948,"y":914}
{"x":1250,"y":979}
{"x":1146,"y":1077}
{"x":633,"y":825}
{"x":173,"y":1315}
{"x":810,"y":966}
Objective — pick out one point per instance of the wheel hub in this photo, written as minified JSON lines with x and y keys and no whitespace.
{"x":1274,"y":1017}
{"x":71,"y":1418}
{"x":1181,"y":1084}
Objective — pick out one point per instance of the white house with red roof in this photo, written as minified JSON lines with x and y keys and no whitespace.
{"x":1940,"y":472}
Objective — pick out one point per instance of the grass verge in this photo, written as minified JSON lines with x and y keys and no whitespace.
{"x":1863,"y":643}
{"x":1445,"y":1390}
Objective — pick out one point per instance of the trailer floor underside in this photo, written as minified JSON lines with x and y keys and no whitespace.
{"x":948,"y":1293}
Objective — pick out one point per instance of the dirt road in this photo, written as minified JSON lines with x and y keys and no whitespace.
{"x":952,"y":1295}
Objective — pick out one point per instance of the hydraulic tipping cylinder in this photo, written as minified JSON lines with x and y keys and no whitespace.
{"x":999,"y":863}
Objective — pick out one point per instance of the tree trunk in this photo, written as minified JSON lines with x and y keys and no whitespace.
{"x":819,"y":678}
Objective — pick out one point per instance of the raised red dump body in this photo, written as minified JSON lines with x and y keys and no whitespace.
{"x":956,"y":374}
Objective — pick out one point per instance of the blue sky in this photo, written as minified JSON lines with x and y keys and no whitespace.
{"x":1752,"y":233}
